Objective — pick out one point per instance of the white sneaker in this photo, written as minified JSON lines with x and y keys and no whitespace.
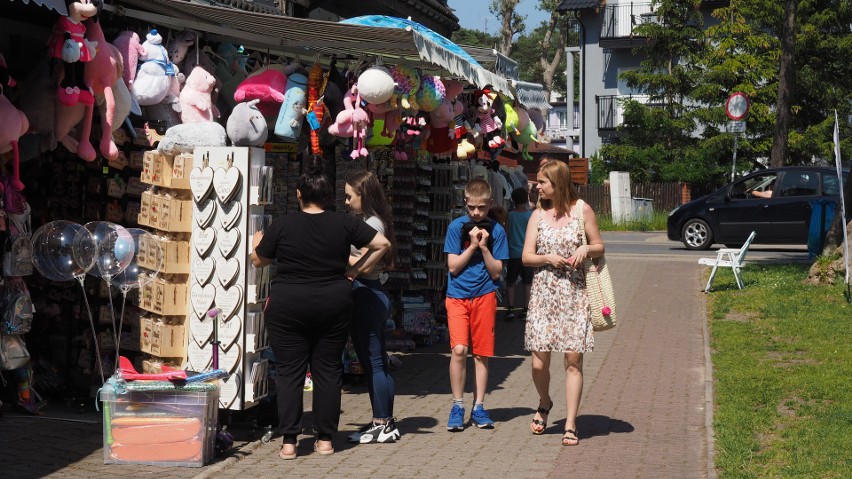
{"x":380,"y":433}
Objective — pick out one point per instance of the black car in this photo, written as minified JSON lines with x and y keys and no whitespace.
{"x":775,"y":203}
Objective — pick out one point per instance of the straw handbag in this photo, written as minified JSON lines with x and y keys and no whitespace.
{"x":598,"y":285}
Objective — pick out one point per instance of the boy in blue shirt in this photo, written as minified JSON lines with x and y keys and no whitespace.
{"x":476,"y":247}
{"x":517,"y":226}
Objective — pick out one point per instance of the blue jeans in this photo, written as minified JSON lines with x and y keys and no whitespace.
{"x":370,"y":312}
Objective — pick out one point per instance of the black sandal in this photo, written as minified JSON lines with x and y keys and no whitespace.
{"x":568,"y":440}
{"x":543,"y":412}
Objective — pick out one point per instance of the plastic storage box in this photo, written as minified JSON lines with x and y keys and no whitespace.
{"x":159,"y":428}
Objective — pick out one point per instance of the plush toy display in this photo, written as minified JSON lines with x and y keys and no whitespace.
{"x":101,"y":74}
{"x":268,"y":86}
{"x":154,"y":78}
{"x":38,"y":102}
{"x":13,"y":124}
{"x":185,"y":138}
{"x":131,"y":50}
{"x":246,"y":125}
{"x":527,"y":136}
{"x":488,"y":124}
{"x":314,"y":105}
{"x":440,"y":137}
{"x":376,"y":85}
{"x":432,"y":92}
{"x":196,"y":104}
{"x":293,"y":111}
{"x":407,"y":80}
{"x":342,"y":126}
{"x":69,"y":44}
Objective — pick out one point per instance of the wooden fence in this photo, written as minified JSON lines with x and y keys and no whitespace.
{"x":664,"y":196}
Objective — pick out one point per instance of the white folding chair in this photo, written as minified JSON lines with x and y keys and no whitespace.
{"x":733,"y":258}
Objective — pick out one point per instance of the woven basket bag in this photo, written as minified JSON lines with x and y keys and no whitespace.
{"x":598,"y":285}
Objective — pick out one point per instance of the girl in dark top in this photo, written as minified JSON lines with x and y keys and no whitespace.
{"x":310,"y":305}
{"x":365,"y":196}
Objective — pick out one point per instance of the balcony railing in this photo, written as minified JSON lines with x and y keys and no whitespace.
{"x":611,"y":109}
{"x":619,"y":20}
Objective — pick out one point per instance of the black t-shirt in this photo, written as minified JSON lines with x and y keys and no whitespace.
{"x":313,"y":248}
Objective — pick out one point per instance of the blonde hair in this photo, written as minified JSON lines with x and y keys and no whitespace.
{"x":477,"y":188}
{"x":564,"y":193}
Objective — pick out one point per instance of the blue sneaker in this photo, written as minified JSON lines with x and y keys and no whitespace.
{"x":456,"y":422}
{"x":480,"y":418}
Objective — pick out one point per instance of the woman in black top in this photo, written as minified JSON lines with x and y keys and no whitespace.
{"x":309,"y":311}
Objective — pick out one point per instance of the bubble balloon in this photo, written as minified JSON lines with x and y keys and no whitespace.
{"x":53,"y":250}
{"x":115,"y":252}
{"x":135,"y":276}
{"x":88,"y":252}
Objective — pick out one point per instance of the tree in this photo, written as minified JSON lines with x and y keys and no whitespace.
{"x":786,"y":81}
{"x":527,"y":52}
{"x":475,"y":38}
{"x":511,"y":23}
{"x":552,"y":44}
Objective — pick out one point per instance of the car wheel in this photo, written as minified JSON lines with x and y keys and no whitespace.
{"x":697,"y":234}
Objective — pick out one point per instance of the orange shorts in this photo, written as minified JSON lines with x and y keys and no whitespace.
{"x":473,"y":319}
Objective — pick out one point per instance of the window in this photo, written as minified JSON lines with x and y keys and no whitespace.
{"x":799,"y":183}
{"x":747,"y":188}
{"x":830,"y":185}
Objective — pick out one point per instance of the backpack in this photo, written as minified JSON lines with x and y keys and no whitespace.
{"x":16,"y":315}
{"x":18,"y":250}
{"x":13,"y":352}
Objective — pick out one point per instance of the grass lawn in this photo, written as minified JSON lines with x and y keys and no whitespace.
{"x":657,"y":222}
{"x":782,"y":367}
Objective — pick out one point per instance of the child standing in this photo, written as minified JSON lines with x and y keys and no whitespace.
{"x":517,"y":229}
{"x":476,"y":247}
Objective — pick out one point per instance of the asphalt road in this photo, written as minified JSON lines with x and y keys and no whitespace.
{"x":655,"y":243}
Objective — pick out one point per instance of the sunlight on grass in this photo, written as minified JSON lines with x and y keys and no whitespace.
{"x":782,"y":363}
{"x":657,"y":222}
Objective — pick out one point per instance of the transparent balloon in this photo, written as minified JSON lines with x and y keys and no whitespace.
{"x":147,"y":252}
{"x":115,"y":252}
{"x":53,"y":250}
{"x":88,"y":252}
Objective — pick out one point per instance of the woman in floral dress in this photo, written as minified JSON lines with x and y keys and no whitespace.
{"x":558,"y":318}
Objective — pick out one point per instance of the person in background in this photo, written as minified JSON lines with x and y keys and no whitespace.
{"x":517,"y":231}
{"x":476,"y":248}
{"x":558,"y":318}
{"x":310,"y":307}
{"x":365,"y":197}
{"x":533,"y":192}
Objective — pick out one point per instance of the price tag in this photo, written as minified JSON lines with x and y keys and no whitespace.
{"x":312,"y":120}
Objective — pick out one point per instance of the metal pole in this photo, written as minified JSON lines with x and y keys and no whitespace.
{"x":734,"y":164}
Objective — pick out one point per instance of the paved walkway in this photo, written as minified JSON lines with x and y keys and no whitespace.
{"x":643,"y":412}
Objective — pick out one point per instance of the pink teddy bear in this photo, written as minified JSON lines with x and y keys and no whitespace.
{"x":196,"y":104}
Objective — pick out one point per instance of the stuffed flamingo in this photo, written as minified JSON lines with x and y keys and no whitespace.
{"x":360,"y":122}
{"x":101,"y":74}
{"x":13,"y":124}
{"x":342,"y":126}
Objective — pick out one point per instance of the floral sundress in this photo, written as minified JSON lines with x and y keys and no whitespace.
{"x":558,"y":316}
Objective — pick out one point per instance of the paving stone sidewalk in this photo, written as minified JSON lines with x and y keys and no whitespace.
{"x":643,"y":412}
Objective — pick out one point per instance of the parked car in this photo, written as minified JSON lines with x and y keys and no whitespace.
{"x":775,"y":203}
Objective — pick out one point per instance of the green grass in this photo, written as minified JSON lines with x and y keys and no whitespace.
{"x":657,"y":222}
{"x":782,"y":365}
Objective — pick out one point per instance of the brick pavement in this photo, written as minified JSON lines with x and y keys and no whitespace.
{"x":643,"y":411}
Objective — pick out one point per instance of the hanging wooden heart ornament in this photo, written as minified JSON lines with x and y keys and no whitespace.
{"x":203,"y":240}
{"x":227,"y":181}
{"x":198,"y":358}
{"x":230,"y":360}
{"x":201,"y":180}
{"x":229,"y":301}
{"x":202,"y":270}
{"x":204,"y":212}
{"x":202,"y":298}
{"x":227,"y":271}
{"x":228,"y":241}
{"x":229,"y":390}
{"x":229,"y":332}
{"x":200,"y":329}
{"x":230,"y":216}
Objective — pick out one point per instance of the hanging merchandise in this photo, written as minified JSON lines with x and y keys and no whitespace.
{"x":101,"y":75}
{"x":153,"y":79}
{"x":441,"y":135}
{"x":13,"y":125}
{"x":196,"y":102}
{"x":488,"y":124}
{"x":432,"y":92}
{"x":289,"y":123}
{"x":315,"y":106}
{"x":407,"y":80}
{"x":266,"y":85}
{"x":376,"y":85}
{"x":131,"y":51}
{"x":246,"y":125}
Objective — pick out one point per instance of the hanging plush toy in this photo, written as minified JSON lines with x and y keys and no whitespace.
{"x":527,"y":136}
{"x":13,"y":124}
{"x":432,"y":92}
{"x":376,"y":85}
{"x":488,"y":124}
{"x":293,"y":111}
{"x":69,"y":44}
{"x":342,"y":126}
{"x":154,"y":78}
{"x":131,"y":50}
{"x":315,"y":86}
{"x":246,"y":125}
{"x":360,"y":123}
{"x":407,"y":81}
{"x":268,"y":85}
{"x":196,"y":103}
{"x":101,"y":74}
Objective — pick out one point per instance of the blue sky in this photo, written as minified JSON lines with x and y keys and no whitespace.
{"x":474,"y":14}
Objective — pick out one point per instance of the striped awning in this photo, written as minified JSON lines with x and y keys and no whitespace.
{"x":301,"y":36}
{"x":531,"y":95}
{"x":58,"y":5}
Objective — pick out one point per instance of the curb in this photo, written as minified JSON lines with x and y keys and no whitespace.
{"x":709,"y":405}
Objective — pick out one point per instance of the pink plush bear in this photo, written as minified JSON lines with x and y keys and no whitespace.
{"x":131,"y":50}
{"x":196,"y":104}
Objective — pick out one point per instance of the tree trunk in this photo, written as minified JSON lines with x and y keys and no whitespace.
{"x":549,"y":66}
{"x":786,"y":79}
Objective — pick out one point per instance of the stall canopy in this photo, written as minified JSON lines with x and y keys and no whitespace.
{"x":58,"y":5}
{"x":531,"y":95}
{"x":306,"y":36}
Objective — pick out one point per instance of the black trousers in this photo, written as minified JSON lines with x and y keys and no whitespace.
{"x":309,"y":328}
